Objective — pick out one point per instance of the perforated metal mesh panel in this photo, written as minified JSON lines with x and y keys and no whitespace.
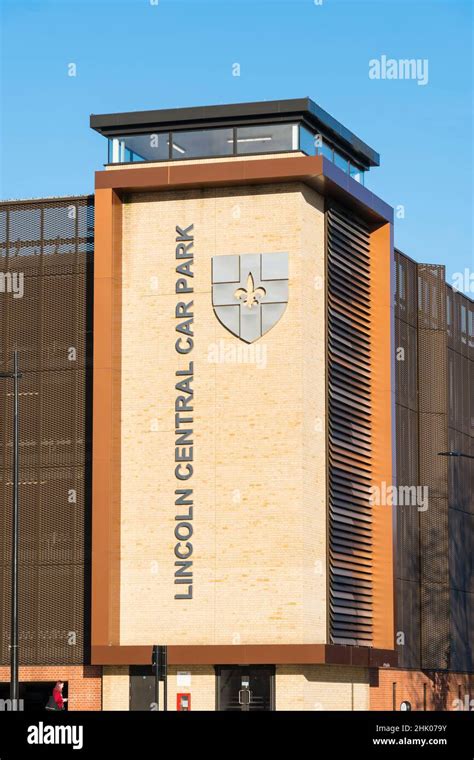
{"x":408,"y":531}
{"x":49,"y":243}
{"x":433,"y":469}
{"x":349,"y":438}
{"x":460,"y":327}
{"x":406,"y":289}
{"x":435,"y":405}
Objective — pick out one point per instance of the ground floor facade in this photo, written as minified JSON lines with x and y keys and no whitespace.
{"x":291,"y":687}
{"x":241,"y":688}
{"x":83,"y":685}
{"x":226,"y":687}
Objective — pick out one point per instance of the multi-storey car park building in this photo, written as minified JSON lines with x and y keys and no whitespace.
{"x":226,"y":372}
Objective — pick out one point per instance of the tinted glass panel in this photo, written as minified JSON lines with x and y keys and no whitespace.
{"x":149,"y":147}
{"x":307,"y":142}
{"x":203,"y":142}
{"x":269,"y":138}
{"x":230,"y":683}
{"x":357,"y":173}
{"x":245,"y":688}
{"x":341,"y":162}
{"x":327,"y":150}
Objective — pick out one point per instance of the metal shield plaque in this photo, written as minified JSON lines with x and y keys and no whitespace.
{"x":250,"y":292}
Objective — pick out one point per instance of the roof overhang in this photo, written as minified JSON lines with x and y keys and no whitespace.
{"x":315,"y":171}
{"x":202,"y":117}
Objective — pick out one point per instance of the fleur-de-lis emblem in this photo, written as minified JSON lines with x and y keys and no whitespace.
{"x":250,"y":295}
{"x":249,"y":292}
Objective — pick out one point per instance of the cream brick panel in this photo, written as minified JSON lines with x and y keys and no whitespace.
{"x":321,"y":687}
{"x":115,"y":688}
{"x":259,"y":454}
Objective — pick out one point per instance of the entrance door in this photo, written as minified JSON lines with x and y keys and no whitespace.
{"x":245,"y":687}
{"x":142,"y":688}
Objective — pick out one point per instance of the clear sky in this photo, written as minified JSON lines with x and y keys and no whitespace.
{"x":143,"y":54}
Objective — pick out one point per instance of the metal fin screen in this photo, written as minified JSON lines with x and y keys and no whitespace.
{"x":349,"y":435}
{"x":48,"y":245}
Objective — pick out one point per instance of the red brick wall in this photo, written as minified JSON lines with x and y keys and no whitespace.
{"x":84,"y":682}
{"x":441,"y":689}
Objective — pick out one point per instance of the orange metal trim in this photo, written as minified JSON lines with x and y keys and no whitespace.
{"x":220,"y":172}
{"x":381,"y":312}
{"x":106,"y":419}
{"x":261,"y":654}
{"x":315,"y":171}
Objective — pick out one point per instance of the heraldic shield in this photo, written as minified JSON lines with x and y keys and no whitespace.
{"x":250,"y":292}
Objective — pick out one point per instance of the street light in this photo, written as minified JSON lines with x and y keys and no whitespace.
{"x":14,"y":684}
{"x":454,"y":454}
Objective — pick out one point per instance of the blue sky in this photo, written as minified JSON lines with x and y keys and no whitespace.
{"x":139,"y":54}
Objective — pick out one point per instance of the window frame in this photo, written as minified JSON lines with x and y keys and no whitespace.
{"x":298,"y":125}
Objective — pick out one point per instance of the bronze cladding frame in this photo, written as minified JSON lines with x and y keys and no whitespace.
{"x":328,"y":180}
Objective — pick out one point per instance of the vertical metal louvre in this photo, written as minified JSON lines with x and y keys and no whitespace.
{"x":49,"y":243}
{"x":349,"y":433}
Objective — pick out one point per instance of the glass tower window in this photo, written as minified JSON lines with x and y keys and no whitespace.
{"x":149,"y":147}
{"x":229,"y":141}
{"x":271,"y":138}
{"x":341,"y":162}
{"x":356,"y":173}
{"x":307,"y":142}
{"x":202,"y":142}
{"x":327,"y":151}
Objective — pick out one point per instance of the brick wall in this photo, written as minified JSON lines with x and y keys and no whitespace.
{"x":116,"y":688}
{"x":259,"y":429}
{"x":442,"y":689}
{"x":321,"y":687}
{"x":84,"y":682}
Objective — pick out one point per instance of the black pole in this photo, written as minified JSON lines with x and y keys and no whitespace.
{"x":155,"y":663}
{"x":165,"y":678}
{"x":14,"y":683}
{"x":14,"y":618}
{"x":157,"y":690}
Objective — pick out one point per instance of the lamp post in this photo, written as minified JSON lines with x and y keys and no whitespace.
{"x":454,"y":454}
{"x":14,"y":684}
